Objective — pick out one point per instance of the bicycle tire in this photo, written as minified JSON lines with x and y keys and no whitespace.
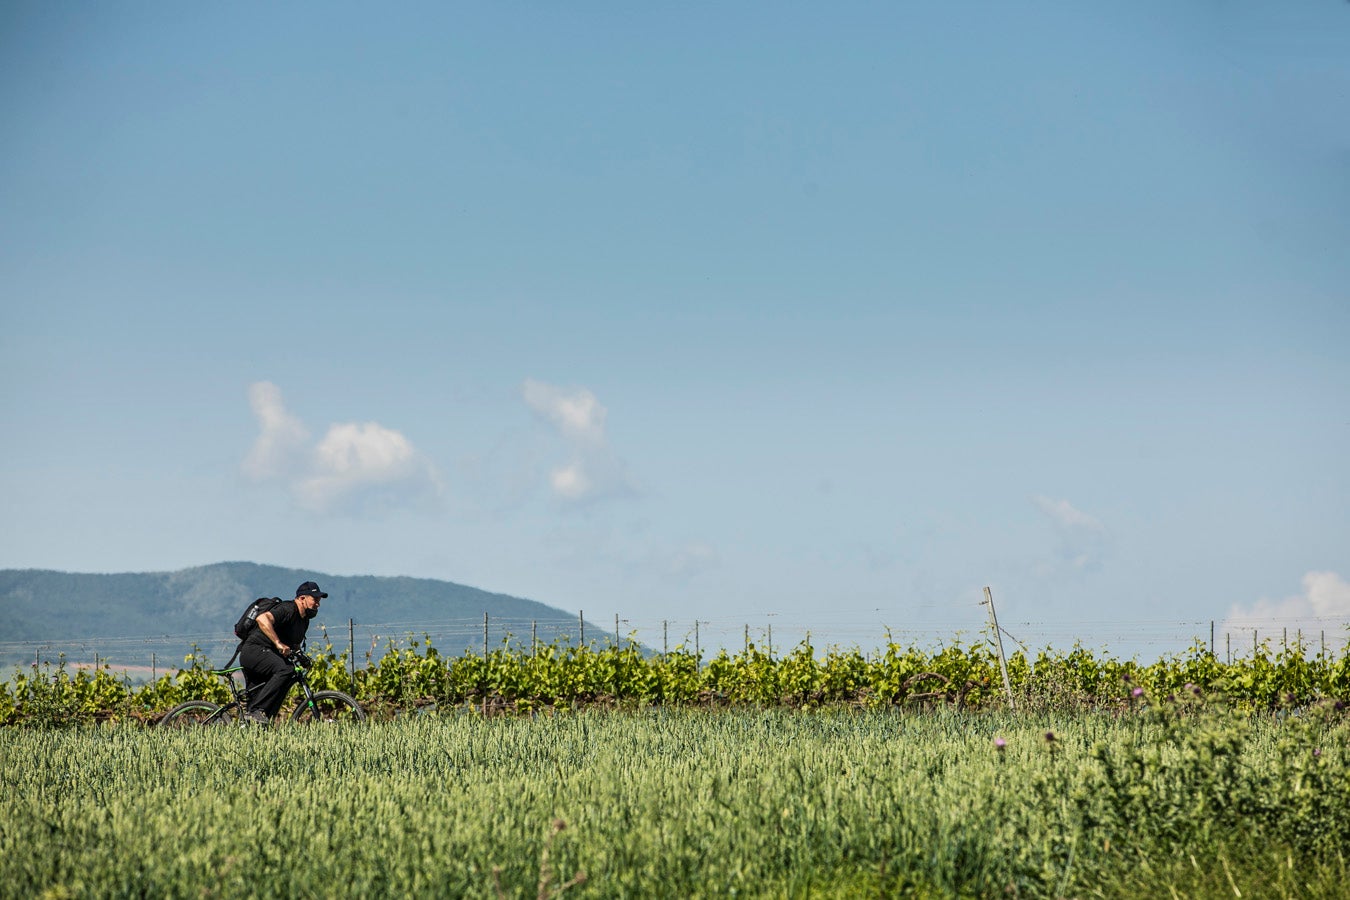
{"x":328,"y":706}
{"x":192,"y":714}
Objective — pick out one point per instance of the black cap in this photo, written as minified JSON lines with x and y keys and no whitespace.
{"x":310,"y":588}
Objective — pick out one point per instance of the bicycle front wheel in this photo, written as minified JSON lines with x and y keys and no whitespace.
{"x":328,"y":706}
{"x":191,"y":714}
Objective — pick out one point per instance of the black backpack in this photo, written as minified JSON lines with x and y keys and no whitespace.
{"x":249,"y":620}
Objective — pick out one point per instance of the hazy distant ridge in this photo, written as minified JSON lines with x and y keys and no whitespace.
{"x":40,"y":605}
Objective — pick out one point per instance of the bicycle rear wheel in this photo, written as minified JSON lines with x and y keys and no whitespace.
{"x":192,"y":714}
{"x":328,"y":706}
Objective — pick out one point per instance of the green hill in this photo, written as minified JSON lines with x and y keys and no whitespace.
{"x":126,"y":617}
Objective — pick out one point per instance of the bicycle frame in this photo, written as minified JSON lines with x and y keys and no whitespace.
{"x":313,"y":706}
{"x":239,"y":695}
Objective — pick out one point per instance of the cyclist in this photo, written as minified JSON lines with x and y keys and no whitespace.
{"x":280,"y":632}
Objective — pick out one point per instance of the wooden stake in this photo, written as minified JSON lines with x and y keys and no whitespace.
{"x":998,"y":640}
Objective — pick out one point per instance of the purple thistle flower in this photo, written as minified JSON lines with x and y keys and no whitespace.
{"x":1050,"y":737}
{"x":999,"y":744}
{"x":1137,"y":692}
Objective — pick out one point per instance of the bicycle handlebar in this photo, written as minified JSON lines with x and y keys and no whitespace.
{"x":300,"y":659}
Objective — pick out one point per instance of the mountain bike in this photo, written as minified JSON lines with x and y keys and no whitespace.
{"x":314,"y":706}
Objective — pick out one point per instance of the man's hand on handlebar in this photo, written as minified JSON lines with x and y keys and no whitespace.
{"x":300,"y":658}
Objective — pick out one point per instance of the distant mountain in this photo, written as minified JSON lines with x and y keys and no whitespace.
{"x":128,"y":616}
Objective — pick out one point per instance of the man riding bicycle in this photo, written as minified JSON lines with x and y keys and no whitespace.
{"x":280,"y":633}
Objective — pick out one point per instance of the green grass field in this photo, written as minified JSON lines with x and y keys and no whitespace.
{"x":1182,"y":801}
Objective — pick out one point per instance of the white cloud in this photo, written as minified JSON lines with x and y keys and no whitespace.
{"x":363,"y":465}
{"x":281,"y":437}
{"x":570,"y":482}
{"x":575,"y":412}
{"x":1324,"y":606}
{"x":355,"y":467}
{"x":1082,"y":539}
{"x":593,"y":472}
{"x":1064,"y":515}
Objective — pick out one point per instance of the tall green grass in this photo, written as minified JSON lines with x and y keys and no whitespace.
{"x":686,"y":803}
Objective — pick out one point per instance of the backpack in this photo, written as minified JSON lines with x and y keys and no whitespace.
{"x":248,"y":621}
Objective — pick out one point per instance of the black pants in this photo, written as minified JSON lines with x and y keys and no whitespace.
{"x":268,"y":676}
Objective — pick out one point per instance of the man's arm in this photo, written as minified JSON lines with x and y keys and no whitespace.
{"x":265,"y":625}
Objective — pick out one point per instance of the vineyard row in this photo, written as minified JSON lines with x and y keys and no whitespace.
{"x":419,"y":677}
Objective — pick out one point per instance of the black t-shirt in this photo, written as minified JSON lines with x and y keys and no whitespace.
{"x":289,"y":625}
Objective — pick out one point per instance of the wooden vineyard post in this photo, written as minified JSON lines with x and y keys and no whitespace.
{"x":998,"y":640}
{"x":485,"y":656}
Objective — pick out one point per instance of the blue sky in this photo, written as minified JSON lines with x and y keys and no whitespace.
{"x":813,"y":316}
